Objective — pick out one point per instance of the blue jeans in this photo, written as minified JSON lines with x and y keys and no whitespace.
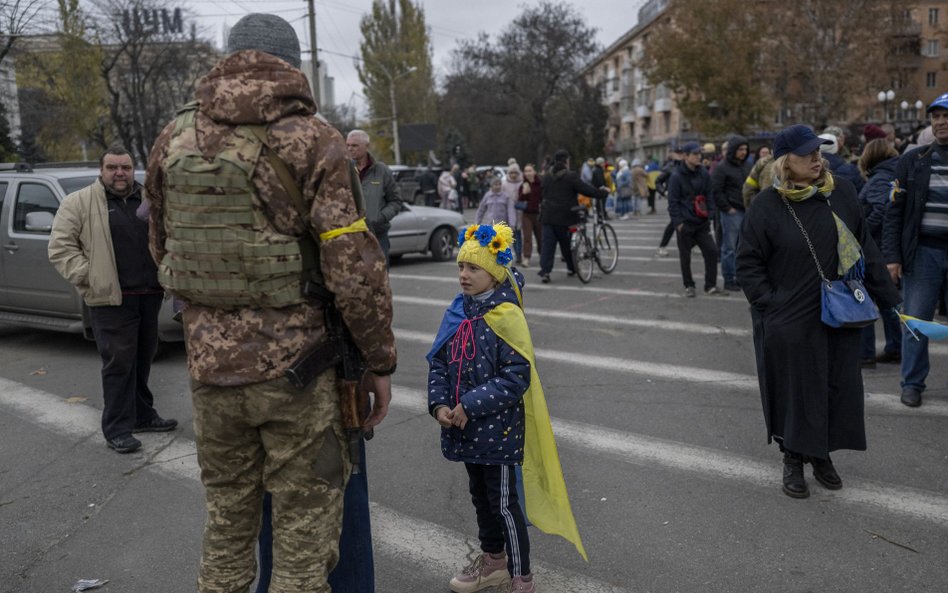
{"x":623,"y":206}
{"x":921,"y":289}
{"x":731,"y":233}
{"x":355,"y":572}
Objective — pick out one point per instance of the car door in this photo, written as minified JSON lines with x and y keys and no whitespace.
{"x":406,"y":236}
{"x":30,"y":283}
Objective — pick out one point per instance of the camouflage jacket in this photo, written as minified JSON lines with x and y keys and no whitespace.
{"x":250,"y":345}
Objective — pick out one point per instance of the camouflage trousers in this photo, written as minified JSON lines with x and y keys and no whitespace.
{"x":271,"y":437}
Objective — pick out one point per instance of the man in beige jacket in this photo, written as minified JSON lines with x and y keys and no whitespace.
{"x":120,"y":287}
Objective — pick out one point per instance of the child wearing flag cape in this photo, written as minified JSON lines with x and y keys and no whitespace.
{"x":484,"y":391}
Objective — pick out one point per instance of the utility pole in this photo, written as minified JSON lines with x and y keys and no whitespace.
{"x":313,"y":54}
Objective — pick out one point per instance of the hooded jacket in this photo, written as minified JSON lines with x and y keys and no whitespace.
{"x":382,"y":197}
{"x":560,"y":190}
{"x":683,"y":187}
{"x":240,"y":346}
{"x":490,"y":387}
{"x":727,"y":179}
{"x":496,"y":207}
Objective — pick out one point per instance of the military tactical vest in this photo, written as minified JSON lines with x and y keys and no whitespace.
{"x":222,"y":251}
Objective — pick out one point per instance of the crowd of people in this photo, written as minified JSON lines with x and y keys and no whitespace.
{"x":260,"y":238}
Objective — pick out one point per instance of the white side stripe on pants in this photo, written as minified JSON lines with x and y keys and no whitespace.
{"x":512,"y":533}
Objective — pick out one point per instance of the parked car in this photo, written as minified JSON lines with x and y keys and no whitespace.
{"x":420,"y":229}
{"x":32,"y":293}
{"x":407,"y":179}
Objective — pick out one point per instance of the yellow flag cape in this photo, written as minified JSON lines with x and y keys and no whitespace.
{"x":544,"y":488}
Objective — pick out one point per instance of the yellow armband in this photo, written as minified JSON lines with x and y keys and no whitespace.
{"x":751,"y":182}
{"x":358,"y":226}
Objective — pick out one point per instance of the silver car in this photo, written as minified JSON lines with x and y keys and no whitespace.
{"x":32,"y":293}
{"x":420,"y":229}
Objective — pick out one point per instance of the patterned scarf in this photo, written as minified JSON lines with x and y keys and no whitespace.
{"x":847,"y":246}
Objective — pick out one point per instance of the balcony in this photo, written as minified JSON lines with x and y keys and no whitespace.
{"x":906,"y":28}
{"x":643,"y":112}
{"x":663,"y":105}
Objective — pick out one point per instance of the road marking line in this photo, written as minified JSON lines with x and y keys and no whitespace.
{"x":394,"y":534}
{"x":643,"y":450}
{"x":693,"y":375}
{"x":694,"y":328}
{"x":592,"y":288}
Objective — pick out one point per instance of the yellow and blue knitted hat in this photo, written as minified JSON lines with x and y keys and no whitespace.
{"x":489,"y":247}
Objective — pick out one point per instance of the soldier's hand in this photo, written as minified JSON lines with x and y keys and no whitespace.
{"x":381,"y":387}
{"x":895,"y":270}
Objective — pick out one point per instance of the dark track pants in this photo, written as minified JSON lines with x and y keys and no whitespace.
{"x":500,"y":520}
{"x":699,"y":235}
{"x":553,"y":235}
{"x":126,"y":336}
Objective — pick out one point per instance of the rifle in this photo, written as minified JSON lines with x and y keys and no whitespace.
{"x":341,"y":352}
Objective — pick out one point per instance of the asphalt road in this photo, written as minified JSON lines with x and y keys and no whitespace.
{"x":658,"y":421}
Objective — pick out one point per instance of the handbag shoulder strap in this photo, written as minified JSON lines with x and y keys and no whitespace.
{"x":806,"y":236}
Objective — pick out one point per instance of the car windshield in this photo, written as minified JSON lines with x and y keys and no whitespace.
{"x":71,"y":184}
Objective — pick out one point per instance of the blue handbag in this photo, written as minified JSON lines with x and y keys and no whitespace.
{"x":844,"y":303}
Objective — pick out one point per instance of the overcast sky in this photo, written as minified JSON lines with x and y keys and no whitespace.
{"x":337,"y":26}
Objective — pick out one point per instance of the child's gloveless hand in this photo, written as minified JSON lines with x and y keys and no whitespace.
{"x":443,"y":416}
{"x":458,"y":417}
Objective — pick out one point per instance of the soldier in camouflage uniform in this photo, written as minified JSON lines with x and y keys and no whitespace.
{"x":254,"y":431}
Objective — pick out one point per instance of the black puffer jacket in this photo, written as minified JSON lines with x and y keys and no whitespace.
{"x":560,"y":190}
{"x":727,"y":179}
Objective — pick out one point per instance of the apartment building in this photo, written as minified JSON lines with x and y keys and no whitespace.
{"x":644,"y":120}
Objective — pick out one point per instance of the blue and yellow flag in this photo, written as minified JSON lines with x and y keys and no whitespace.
{"x":547,"y":501}
{"x":930,"y":329}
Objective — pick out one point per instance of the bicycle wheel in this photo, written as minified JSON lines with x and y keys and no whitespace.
{"x":582,"y":258}
{"x":607,"y":248}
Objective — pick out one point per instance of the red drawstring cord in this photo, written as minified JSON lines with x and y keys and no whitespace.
{"x":460,"y":353}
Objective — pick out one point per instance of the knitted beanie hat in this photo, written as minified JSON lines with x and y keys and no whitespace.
{"x":267,"y":33}
{"x":488,"y":247}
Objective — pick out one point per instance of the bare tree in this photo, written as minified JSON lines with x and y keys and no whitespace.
{"x":15,"y":17}
{"x":151,"y":64}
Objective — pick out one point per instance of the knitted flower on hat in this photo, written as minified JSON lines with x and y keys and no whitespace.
{"x":489,"y":247}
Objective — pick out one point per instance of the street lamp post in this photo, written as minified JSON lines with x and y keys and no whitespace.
{"x":904,"y":105}
{"x":884,"y":97}
{"x":918,"y":111}
{"x":391,"y":96}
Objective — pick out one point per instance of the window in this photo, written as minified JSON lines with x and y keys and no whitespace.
{"x":71,"y":184}
{"x":3,"y":192}
{"x":932,"y":16}
{"x":931,"y":48}
{"x":930,"y":80}
{"x":32,"y":197}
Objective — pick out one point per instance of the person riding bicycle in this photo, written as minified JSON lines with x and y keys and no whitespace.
{"x":561,"y":188}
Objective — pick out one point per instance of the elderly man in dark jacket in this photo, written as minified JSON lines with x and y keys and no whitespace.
{"x":561,"y":188}
{"x":690,"y":209}
{"x":379,"y":190}
{"x":727,"y":182}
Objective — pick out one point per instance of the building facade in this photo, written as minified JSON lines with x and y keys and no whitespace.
{"x":644,"y":120}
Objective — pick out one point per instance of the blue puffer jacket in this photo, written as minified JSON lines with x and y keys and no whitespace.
{"x":875,"y":194}
{"x":490,"y":387}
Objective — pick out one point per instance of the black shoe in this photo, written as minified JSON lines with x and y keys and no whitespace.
{"x":157,"y":424}
{"x":868,"y":363}
{"x":732,"y":286}
{"x":124,"y":444}
{"x":825,"y":473}
{"x":794,"y":484}
{"x":545,"y":278}
{"x":889,"y":358}
{"x":570,"y":273}
{"x":911,"y":397}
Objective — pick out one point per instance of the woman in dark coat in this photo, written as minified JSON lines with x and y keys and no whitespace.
{"x":877,"y":165}
{"x":809,"y":373}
